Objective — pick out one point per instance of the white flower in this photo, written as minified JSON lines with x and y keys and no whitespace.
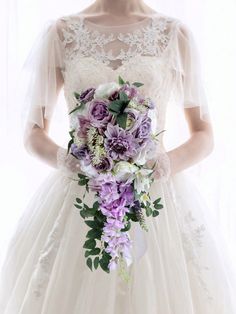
{"x":106,"y":90}
{"x":89,"y":170}
{"x":142,"y":182}
{"x":124,"y":170}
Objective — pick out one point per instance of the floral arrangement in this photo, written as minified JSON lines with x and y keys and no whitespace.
{"x":112,"y":135}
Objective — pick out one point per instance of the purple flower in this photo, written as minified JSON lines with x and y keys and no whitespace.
{"x":120,"y":144}
{"x":115,"y":208}
{"x":81,"y":152}
{"x":87,"y":95}
{"x":127,"y":192}
{"x":130,"y":91}
{"x":144,"y":129}
{"x":106,"y":186}
{"x":114,"y":95}
{"x":98,"y":112}
{"x":134,"y":119}
{"x":84,"y":124}
{"x":105,"y":164}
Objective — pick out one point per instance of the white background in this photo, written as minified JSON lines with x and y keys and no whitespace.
{"x":213,"y":24}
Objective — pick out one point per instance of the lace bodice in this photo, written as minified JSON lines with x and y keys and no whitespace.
{"x":137,"y":52}
{"x":158,"y":51}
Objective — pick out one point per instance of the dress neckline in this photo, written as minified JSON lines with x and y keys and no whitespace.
{"x":147,"y":21}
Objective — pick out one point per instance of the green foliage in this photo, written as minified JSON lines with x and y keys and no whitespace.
{"x":137,"y":84}
{"x":96,"y":262}
{"x":89,"y":244}
{"x":89,"y":263}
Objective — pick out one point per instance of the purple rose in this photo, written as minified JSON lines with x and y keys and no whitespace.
{"x":81,"y":152}
{"x":98,"y":112}
{"x":143,"y":131}
{"x":87,"y":95}
{"x":134,"y":119}
{"x":120,"y":144}
{"x":104,"y":165}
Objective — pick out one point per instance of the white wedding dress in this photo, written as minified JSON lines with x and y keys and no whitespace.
{"x":183,"y":270}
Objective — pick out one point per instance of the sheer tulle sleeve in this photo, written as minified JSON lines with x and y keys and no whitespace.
{"x":43,"y":77}
{"x":189,"y":89}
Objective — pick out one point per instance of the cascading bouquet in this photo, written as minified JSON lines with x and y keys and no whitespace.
{"x":112,"y":135}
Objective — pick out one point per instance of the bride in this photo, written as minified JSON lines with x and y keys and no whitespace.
{"x":180,"y":269}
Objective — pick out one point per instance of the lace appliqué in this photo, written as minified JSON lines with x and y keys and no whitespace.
{"x":48,"y":254}
{"x":193,"y":235}
{"x":150,"y":40}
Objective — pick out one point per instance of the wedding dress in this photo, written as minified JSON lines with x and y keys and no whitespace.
{"x":183,"y":270}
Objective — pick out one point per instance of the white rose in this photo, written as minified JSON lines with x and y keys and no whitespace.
{"x":106,"y":90}
{"x":123,"y":170}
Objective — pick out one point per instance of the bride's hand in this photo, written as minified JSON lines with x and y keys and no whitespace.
{"x":162,"y":169}
{"x":67,"y":162}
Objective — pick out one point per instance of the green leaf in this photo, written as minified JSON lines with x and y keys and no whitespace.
{"x":96,"y":262}
{"x":95,"y":251}
{"x":115,"y":106}
{"x":104,"y":265}
{"x":137,"y":84}
{"x":83,"y":214}
{"x":121,"y":119}
{"x":78,"y":200}
{"x":155,"y":213}
{"x":157,"y":200}
{"x":93,"y":233}
{"x":148,"y":211}
{"x":89,"y":263}
{"x":78,"y":206}
{"x":69,"y":145}
{"x":120,"y":80}
{"x":96,"y":205}
{"x":123,"y":96}
{"x":92,"y":224}
{"x":127,"y":227}
{"x":75,"y":109}
{"x":158,"y":206}
{"x":77,"y":95}
{"x":82,"y":176}
{"x":89,"y":244}
{"x":82,"y":182}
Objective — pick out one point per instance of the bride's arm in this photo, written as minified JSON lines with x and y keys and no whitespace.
{"x":41,"y":145}
{"x":197,"y":147}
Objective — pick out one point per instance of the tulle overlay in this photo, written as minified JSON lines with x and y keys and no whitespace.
{"x":181,"y":272}
{"x":185,"y":269}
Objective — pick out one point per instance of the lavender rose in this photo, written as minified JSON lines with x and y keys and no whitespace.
{"x":104,"y":165}
{"x":98,"y":112}
{"x":144,"y":129}
{"x":81,"y":152}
